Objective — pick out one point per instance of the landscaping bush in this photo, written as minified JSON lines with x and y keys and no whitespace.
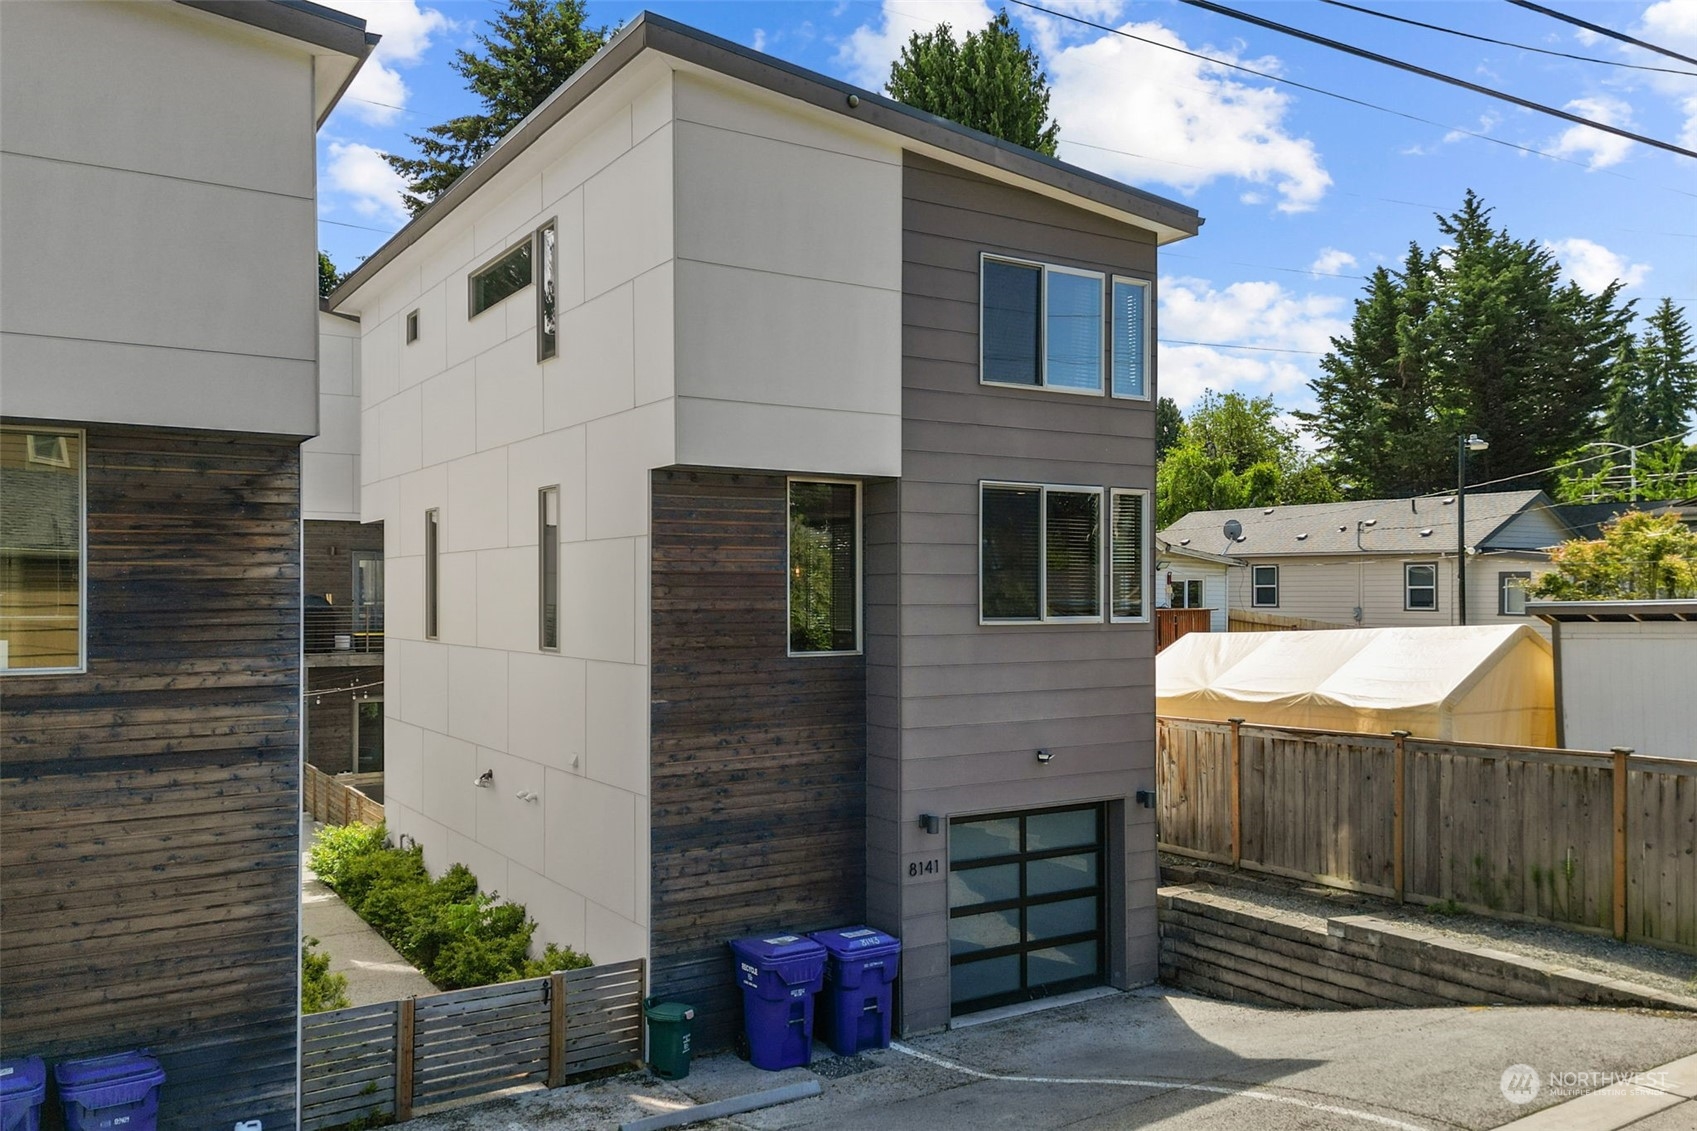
{"x":320,"y":989}
{"x":456,"y":935}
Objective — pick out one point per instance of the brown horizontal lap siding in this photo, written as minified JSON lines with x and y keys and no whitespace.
{"x":758,"y":759}
{"x":150,"y":808}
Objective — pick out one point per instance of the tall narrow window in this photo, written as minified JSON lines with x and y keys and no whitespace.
{"x":1130,"y":345}
{"x":368,"y":736}
{"x":548,"y":565}
{"x":824,"y":563}
{"x":412,"y":327}
{"x":1511,"y":592}
{"x":547,"y":328}
{"x":1040,"y":552}
{"x":1264,"y":586}
{"x":1420,"y":586}
{"x":1130,"y":532}
{"x":432,"y":530}
{"x":506,"y":275}
{"x":41,"y":551}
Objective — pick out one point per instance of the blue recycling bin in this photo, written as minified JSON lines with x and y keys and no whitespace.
{"x":860,"y":978}
{"x":103,"y":1092}
{"x":23,"y":1085}
{"x":779,"y":976}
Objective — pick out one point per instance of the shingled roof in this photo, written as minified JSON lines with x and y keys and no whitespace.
{"x":1423,"y":525}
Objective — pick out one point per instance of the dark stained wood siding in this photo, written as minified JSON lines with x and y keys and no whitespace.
{"x":329,"y":548}
{"x":150,"y":808}
{"x":758,"y":759}
{"x":958,"y":708}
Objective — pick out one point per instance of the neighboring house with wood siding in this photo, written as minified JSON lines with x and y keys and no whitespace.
{"x":765,"y":472}
{"x":159,"y":349}
{"x":1380,"y":562}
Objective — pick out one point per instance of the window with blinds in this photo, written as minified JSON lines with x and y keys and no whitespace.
{"x":1040,"y":553}
{"x":1041,"y":326}
{"x":1129,"y":555}
{"x":1129,"y":345}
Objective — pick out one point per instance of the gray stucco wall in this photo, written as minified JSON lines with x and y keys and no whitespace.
{"x":956,"y":710}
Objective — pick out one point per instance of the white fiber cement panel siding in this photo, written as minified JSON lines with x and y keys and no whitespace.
{"x":1629,"y":685}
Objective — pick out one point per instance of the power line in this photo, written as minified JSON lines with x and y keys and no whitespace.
{"x":1424,"y":72}
{"x":1506,"y":43}
{"x":1229,"y":346}
{"x":1600,"y":30}
{"x":361,"y":227}
{"x":1226,"y":63}
{"x":1558,"y":466}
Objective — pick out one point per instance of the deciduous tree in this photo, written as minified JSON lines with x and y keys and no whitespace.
{"x":1641,"y":556}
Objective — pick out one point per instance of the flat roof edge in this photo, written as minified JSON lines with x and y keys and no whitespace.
{"x":733,"y":60}
{"x":297,"y":19}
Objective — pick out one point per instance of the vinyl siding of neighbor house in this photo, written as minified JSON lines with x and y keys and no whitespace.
{"x":91,"y":176}
{"x":957,"y":709}
{"x":150,"y":807}
{"x":1329,"y":589}
{"x":1628,"y":684}
{"x":1214,"y":586}
{"x":1535,"y":528}
{"x":759,"y":757}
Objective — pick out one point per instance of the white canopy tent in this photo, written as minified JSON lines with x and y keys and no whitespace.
{"x":1485,"y":683}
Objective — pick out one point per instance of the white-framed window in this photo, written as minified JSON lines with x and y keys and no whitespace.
{"x":1040,"y":325}
{"x":1420,"y":587}
{"x":1264,"y":586}
{"x":43,"y":548}
{"x":1128,"y":342}
{"x":1040,"y":553}
{"x":1128,"y":580}
{"x":1186,"y":594}
{"x":547,"y":312}
{"x":432,"y":543}
{"x":1511,"y":592}
{"x":501,"y":278}
{"x":548,"y":568}
{"x":823,"y":565}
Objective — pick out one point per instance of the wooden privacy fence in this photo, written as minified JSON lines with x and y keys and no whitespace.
{"x":382,"y":1061}
{"x":337,"y":800}
{"x":1603,"y":842}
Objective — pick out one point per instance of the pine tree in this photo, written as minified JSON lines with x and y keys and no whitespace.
{"x":1479,"y":336}
{"x":1654,"y":394}
{"x":533,"y":47}
{"x":992,"y":82}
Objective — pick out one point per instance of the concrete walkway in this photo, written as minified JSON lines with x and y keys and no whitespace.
{"x":376,"y":973}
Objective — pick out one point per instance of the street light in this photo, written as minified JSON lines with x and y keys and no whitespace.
{"x":1632,"y":463}
{"x":1464,"y":444}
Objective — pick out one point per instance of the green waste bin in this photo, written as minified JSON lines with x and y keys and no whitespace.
{"x":668,"y":1037}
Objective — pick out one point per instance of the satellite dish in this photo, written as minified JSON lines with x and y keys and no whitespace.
{"x":1234,"y":529}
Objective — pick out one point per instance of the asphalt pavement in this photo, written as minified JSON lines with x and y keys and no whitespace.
{"x":1160,"y":1058}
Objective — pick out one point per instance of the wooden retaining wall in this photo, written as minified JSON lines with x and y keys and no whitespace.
{"x":1602,"y":842}
{"x":335,"y":799}
{"x":386,"y":1061}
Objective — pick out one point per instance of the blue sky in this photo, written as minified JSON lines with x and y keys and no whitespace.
{"x":1302,"y":193}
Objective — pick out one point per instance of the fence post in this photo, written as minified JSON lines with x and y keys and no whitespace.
{"x":556,"y":1028}
{"x":1621,"y":753}
{"x":1399,"y":793}
{"x":403,"y":1060}
{"x":1237,"y":791}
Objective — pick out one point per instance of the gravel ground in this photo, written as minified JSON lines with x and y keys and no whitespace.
{"x":1665,"y":970}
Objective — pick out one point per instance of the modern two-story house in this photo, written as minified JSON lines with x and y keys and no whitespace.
{"x":765,"y":475}
{"x":158,"y":345}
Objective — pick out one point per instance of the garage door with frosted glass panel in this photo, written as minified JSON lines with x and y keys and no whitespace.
{"x":1026,"y":905}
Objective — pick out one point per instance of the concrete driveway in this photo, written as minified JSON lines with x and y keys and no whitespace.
{"x":1158,"y":1058}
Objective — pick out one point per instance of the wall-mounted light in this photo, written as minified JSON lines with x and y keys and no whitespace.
{"x":486,"y":778}
{"x":526,"y":795}
{"x":1146,"y":798}
{"x":930,"y":822}
{"x":1045,"y":756}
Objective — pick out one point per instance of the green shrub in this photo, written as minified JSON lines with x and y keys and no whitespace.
{"x":456,"y":935}
{"x":320,"y":989}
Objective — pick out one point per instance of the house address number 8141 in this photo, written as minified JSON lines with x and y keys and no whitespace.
{"x":918,"y":868}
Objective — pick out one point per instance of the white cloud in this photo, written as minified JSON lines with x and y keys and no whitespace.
{"x":759,"y":43}
{"x":1155,"y":115}
{"x":360,"y":175}
{"x":1602,"y":149}
{"x":870,"y":49}
{"x":1331,"y":261}
{"x":1594,"y":266}
{"x":1673,"y":24}
{"x":1249,"y":314}
{"x":378,"y":93}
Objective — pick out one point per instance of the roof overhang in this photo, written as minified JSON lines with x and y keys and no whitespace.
{"x":339,"y":42}
{"x":1554,"y":612}
{"x":1166,"y":220}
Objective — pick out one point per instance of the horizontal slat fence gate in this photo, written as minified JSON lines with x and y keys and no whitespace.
{"x":333,"y":801}
{"x":385,"y":1060}
{"x":1602,"y":842}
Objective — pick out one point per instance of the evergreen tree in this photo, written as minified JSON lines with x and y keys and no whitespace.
{"x":992,"y":82}
{"x":1168,"y":421}
{"x":533,"y":47}
{"x":1653,"y":394}
{"x":1479,"y":336}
